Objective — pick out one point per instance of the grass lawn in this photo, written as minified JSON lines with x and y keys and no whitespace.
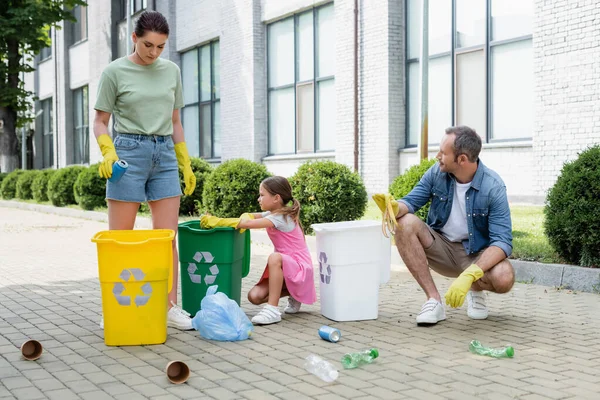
{"x":529,"y":241}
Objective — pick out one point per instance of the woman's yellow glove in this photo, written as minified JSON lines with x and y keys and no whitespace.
{"x":183,"y":160}
{"x":210,"y":221}
{"x":455,"y":296}
{"x":389,"y":207}
{"x":110,"y":156}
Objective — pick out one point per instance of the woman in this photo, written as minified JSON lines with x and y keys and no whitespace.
{"x":143,"y":93}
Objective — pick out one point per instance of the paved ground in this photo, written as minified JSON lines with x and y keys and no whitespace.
{"x":49,"y":291}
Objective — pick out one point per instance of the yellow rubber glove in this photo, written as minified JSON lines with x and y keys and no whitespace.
{"x":389,"y":207}
{"x":183,"y":160}
{"x":110,"y":155}
{"x":210,"y":221}
{"x":455,"y":296}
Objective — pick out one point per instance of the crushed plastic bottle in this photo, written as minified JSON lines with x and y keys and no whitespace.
{"x":354,"y":360}
{"x":321,"y":368}
{"x":504,"y":352}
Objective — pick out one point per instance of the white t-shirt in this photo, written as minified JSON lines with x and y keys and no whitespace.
{"x":456,"y":228}
{"x":281,"y":222}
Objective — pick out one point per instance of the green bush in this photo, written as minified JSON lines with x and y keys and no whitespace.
{"x":39,"y":186}
{"x":572,"y":221}
{"x":8,"y":189}
{"x":2,"y":176}
{"x":189,"y":204}
{"x":90,"y":189}
{"x":60,"y":185}
{"x":328,"y":192}
{"x":403,"y":184}
{"x":232,"y":188}
{"x":24,"y":184}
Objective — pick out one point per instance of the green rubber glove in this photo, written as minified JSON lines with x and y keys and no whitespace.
{"x":455,"y":296}
{"x":110,"y":156}
{"x":183,"y":160}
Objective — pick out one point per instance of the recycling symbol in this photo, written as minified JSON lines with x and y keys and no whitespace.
{"x":210,"y":277}
{"x":323,"y":266}
{"x":119,"y":288}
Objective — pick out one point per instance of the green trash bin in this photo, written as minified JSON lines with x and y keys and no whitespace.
{"x":219,"y":256}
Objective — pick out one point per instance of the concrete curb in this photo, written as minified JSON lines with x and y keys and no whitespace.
{"x":552,"y":275}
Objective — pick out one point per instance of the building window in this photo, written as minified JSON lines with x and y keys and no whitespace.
{"x":480,"y":68}
{"x":134,"y":7}
{"x":79,"y":29}
{"x":301,"y":82}
{"x":46,"y":52}
{"x":201,"y":115}
{"x":81,"y":150}
{"x":47,"y":130}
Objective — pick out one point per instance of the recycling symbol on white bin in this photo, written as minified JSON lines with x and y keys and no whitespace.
{"x":324,"y":267}
{"x":209,"y":278}
{"x":119,"y":288}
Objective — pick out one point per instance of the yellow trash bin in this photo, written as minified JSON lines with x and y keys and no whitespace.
{"x":136,"y":270}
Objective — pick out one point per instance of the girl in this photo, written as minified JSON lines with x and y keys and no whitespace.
{"x":143,"y":94}
{"x":289,"y":270}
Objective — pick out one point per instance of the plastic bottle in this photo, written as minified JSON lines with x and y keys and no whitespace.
{"x":321,"y":368}
{"x":477,"y":348}
{"x":353,"y":360}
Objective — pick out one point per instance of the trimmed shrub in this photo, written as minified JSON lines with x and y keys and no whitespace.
{"x":328,"y":192}
{"x":572,"y":221}
{"x":39,"y":186}
{"x":190,"y":204}
{"x":2,"y":176}
{"x":403,"y":184}
{"x":8,"y":189}
{"x":60,"y":185}
{"x":24,"y":184}
{"x":90,"y":189}
{"x":232,"y":188}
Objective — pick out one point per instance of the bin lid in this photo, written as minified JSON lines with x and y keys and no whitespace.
{"x":134,"y":237}
{"x":345,"y":225}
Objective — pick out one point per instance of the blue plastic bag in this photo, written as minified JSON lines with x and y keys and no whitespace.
{"x":220,"y":318}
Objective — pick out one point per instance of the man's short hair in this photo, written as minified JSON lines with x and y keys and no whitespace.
{"x":466,"y":142}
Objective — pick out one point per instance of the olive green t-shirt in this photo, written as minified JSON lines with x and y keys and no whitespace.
{"x":141,"y":98}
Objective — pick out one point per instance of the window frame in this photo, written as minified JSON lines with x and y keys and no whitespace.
{"x":297,"y":83}
{"x":47,"y":106}
{"x":76,"y":26}
{"x":454,"y":51}
{"x":81,"y":131}
{"x":199,"y":103}
{"x":46,"y":52}
{"x":133,"y":9}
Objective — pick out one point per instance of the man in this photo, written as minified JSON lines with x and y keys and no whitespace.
{"x":468,"y":234}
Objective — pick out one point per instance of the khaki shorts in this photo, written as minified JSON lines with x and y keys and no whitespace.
{"x":448,"y":258}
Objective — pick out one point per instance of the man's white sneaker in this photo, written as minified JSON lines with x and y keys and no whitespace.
{"x":476,"y":308}
{"x":178,"y":318}
{"x":268,"y":315}
{"x":431,"y":313}
{"x":293,"y":306}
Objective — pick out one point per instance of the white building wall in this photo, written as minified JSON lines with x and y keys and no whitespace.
{"x":45,"y":79}
{"x":79,"y":74}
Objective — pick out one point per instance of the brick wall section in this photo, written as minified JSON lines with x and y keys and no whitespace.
{"x":566,"y":44}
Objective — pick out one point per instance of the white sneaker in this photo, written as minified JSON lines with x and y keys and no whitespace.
{"x":476,"y":308}
{"x":178,"y":318}
{"x":293,"y":306}
{"x":268,"y":315}
{"x":431,"y":313}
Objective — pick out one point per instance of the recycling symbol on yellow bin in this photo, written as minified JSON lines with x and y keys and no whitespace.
{"x":119,"y":288}
{"x":209,"y":278}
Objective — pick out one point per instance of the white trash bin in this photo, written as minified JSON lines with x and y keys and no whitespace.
{"x":354,"y":259}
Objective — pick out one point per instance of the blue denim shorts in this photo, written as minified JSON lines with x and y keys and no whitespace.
{"x":152,"y":174}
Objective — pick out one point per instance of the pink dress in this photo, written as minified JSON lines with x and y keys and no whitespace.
{"x":298,"y":272}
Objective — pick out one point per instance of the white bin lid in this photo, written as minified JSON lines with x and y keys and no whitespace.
{"x":345,"y":225}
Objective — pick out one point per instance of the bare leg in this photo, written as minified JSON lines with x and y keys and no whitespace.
{"x":259,"y":294}
{"x":165,"y":215}
{"x":412,"y":237}
{"x":275,"y":265}
{"x":121,"y":215}
{"x":499,"y":279}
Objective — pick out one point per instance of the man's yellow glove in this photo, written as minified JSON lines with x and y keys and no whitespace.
{"x":210,"y":221}
{"x":183,"y":160}
{"x":110,"y":156}
{"x":455,"y":296}
{"x":389,"y":207}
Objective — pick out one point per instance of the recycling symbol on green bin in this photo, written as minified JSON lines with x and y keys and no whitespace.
{"x":119,"y":288}
{"x":324,"y":268}
{"x":210,"y":277}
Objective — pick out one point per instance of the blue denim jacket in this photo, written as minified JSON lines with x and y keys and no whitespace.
{"x":488,"y":215}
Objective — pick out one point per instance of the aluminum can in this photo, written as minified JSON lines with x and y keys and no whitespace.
{"x":330,"y":334}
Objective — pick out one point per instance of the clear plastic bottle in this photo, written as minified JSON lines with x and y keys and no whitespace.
{"x":353,"y":360}
{"x":504,"y":352}
{"x":321,"y":368}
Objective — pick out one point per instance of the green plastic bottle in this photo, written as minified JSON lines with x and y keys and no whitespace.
{"x":353,"y":360}
{"x":477,"y":348}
